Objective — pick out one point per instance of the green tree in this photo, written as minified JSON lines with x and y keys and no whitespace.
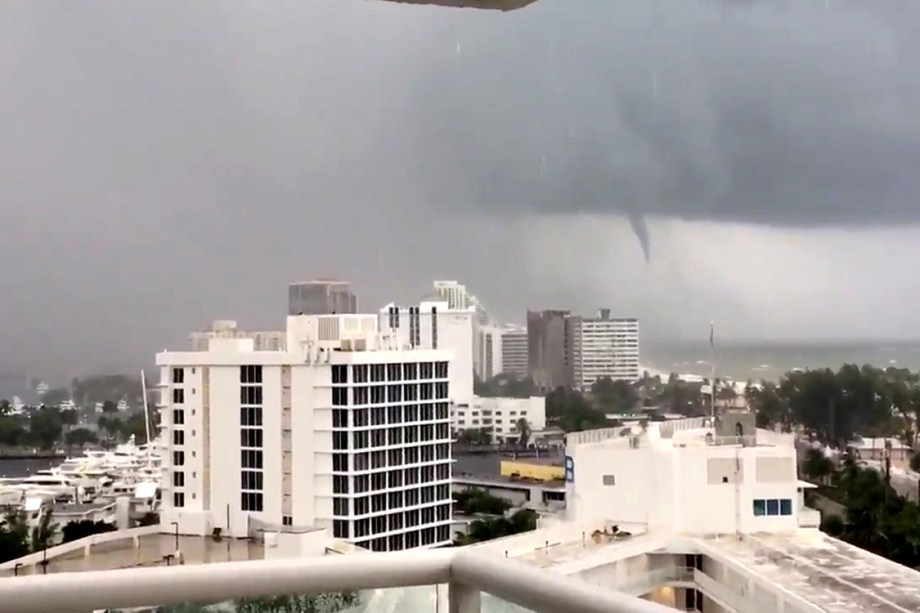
{"x":109,"y":407}
{"x":615,"y":396}
{"x":45,"y":427}
{"x":11,"y":432}
{"x":818,"y":466}
{"x":79,"y":437}
{"x":475,"y":501}
{"x":523,"y":428}
{"x":570,"y":411}
{"x":76,"y":530}
{"x":14,"y":536}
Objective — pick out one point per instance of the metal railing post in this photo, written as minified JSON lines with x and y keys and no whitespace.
{"x":463,"y":599}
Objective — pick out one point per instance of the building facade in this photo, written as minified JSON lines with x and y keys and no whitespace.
{"x":434,"y":325}
{"x":321,"y":297}
{"x":344,"y":431}
{"x":501,"y":351}
{"x":602,"y":347}
{"x":686,"y":477}
{"x":459,"y":298}
{"x":501,"y":416}
{"x":547,"y":349}
{"x":514,"y":352}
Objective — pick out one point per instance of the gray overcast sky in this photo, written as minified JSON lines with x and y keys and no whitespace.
{"x":166,"y":163}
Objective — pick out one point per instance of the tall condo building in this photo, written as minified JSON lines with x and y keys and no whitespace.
{"x":501,"y":350}
{"x":433,"y":324}
{"x":321,"y":297}
{"x":458,"y":297}
{"x":345,"y":430}
{"x":547,"y":349}
{"x":601,"y":347}
{"x":514,"y":351}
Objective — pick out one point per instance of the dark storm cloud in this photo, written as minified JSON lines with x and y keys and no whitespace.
{"x":790,"y":114}
{"x":165,"y":163}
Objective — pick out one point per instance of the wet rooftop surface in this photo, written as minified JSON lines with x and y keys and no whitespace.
{"x":828,"y":573}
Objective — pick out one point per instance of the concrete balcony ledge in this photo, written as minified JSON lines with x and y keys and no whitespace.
{"x":809,"y":518}
{"x":467,"y":573}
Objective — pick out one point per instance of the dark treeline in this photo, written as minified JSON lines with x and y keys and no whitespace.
{"x":833,"y":406}
{"x":49,"y":427}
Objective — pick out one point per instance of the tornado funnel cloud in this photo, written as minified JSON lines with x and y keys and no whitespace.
{"x":640,"y":229}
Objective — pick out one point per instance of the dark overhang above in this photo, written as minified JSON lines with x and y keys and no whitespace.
{"x":496,"y":5}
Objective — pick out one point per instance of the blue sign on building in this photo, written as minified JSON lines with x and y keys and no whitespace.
{"x":569,"y":469}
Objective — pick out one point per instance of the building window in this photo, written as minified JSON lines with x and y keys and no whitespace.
{"x":249,"y":437}
{"x":251,"y":374}
{"x":251,"y":480}
{"x":178,"y":376}
{"x":251,"y":458}
{"x":339,"y":396}
{"x":178,"y":479}
{"x":178,"y":396}
{"x":251,"y":416}
{"x":178,"y":417}
{"x":251,"y":501}
{"x":772,"y":507}
{"x":785,"y":506}
{"x":251,"y":394}
{"x":610,"y":480}
{"x":178,"y":437}
{"x":178,"y":499}
{"x":287,"y":520}
{"x":178,"y":458}
{"x":339,"y":373}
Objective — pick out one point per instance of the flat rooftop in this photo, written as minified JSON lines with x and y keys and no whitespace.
{"x":825,"y":572}
{"x":499,"y":481}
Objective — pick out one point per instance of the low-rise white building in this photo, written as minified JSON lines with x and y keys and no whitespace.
{"x":500,"y":416}
{"x":703,"y":516}
{"x":345,"y":430}
{"x":694,"y":479}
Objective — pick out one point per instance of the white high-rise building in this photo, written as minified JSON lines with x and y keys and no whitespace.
{"x":458,"y":297}
{"x":435,"y":325}
{"x":602,"y":347}
{"x":501,"y":350}
{"x":344,"y":430}
{"x":514,"y":351}
{"x":488,"y":346}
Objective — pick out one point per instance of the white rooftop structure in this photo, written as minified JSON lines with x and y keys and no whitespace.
{"x":692,"y":512}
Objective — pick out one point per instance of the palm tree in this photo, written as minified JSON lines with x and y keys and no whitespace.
{"x":43,"y":534}
{"x":523,"y":428}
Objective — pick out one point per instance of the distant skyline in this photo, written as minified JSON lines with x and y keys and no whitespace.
{"x":681,"y":161}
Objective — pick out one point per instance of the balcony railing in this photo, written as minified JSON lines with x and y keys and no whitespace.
{"x":467,"y":573}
